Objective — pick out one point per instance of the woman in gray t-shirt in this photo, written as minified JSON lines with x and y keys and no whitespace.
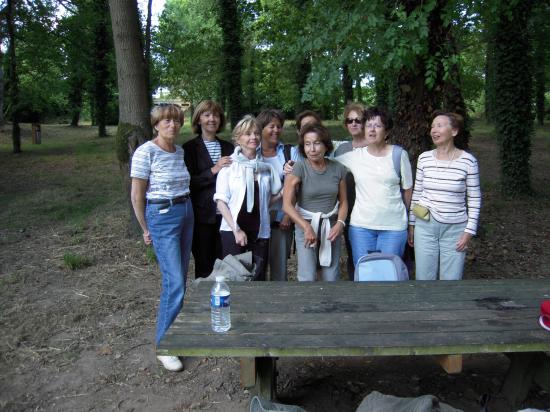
{"x":315,"y":198}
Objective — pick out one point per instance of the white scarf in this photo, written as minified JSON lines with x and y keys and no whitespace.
{"x":325,"y":249}
{"x":255,"y":166}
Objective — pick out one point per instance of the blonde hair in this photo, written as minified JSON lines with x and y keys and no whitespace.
{"x":245,"y":125}
{"x":162,"y":111}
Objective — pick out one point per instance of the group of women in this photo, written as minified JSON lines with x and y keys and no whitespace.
{"x":216,"y":199}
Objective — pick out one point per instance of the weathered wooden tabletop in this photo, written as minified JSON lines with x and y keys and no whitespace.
{"x":276,"y":319}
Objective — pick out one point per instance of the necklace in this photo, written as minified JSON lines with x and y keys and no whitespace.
{"x":450,"y":161}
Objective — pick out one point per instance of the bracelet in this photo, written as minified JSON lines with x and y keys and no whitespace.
{"x":342,"y":222}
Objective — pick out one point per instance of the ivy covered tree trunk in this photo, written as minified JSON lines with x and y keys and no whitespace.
{"x":303,"y":70}
{"x":513,"y":81}
{"x":490,"y":90}
{"x":453,"y":100}
{"x":1,"y":88}
{"x":347,"y":84}
{"x":416,"y":98}
{"x":13,"y":79}
{"x":541,"y":29}
{"x":232,"y":53}
{"x":101,"y":66}
{"x":382,"y":91}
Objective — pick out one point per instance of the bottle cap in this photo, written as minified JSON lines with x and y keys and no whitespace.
{"x":220,"y":278}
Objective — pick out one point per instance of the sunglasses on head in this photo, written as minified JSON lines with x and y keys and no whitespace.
{"x":168,"y":104}
{"x":356,"y":121}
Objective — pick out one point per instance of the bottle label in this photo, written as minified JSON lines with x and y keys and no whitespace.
{"x":219,"y":301}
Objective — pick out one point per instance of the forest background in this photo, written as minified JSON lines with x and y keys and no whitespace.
{"x":478,"y":58}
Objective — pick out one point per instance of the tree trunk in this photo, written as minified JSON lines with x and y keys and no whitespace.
{"x":347,"y":84}
{"x":540,"y":46}
{"x":490,"y":72}
{"x":2,"y":120}
{"x":359,"y":90}
{"x":232,"y":53}
{"x":13,"y":79}
{"x":453,"y":101}
{"x":513,"y":80}
{"x":148,"y":52}
{"x":303,"y":70}
{"x":75,"y":100}
{"x":132,"y":84}
{"x":415,"y":101}
{"x":134,"y":125}
{"x":101,"y":66}
{"x":382,"y":91}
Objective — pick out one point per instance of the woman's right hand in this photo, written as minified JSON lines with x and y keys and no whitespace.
{"x":410,"y":236}
{"x":147,"y":238}
{"x":222,"y":162}
{"x":288,"y":167}
{"x":310,"y":239}
{"x":240,"y":237}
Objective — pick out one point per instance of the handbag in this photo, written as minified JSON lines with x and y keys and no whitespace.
{"x":421,"y":212}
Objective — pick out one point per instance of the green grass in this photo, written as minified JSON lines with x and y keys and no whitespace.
{"x":66,"y":179}
{"x":74,"y":261}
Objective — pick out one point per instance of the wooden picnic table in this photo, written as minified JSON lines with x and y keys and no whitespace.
{"x":306,"y":319}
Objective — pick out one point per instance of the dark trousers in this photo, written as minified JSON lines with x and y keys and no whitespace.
{"x":258,"y":247}
{"x":207,"y":247}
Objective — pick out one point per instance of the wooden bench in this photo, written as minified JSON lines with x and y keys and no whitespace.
{"x":308,"y":319}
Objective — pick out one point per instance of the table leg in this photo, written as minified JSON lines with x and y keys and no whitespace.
{"x":248,"y":372}
{"x":519,"y":377}
{"x":451,"y":363}
{"x":266,"y":377}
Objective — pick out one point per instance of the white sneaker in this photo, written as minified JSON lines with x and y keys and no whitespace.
{"x":171,"y":363}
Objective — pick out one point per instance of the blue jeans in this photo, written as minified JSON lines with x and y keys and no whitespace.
{"x":364,"y":241}
{"x":171,"y":230}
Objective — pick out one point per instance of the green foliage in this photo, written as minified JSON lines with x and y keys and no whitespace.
{"x":187,"y":49}
{"x":513,"y":104}
{"x":74,"y":261}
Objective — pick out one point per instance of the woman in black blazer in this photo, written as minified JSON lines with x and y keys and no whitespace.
{"x":205,"y":156}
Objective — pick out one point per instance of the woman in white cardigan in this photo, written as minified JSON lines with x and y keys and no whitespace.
{"x":244,"y":192}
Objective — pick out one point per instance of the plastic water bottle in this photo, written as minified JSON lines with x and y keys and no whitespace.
{"x":219,"y":305}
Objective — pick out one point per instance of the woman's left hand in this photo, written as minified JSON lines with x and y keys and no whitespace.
{"x":335,"y":231}
{"x":462,"y":242}
{"x":285,"y":223}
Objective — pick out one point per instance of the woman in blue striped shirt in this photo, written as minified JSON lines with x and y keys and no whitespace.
{"x":445,"y":204}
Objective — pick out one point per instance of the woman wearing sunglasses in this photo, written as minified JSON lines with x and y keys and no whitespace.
{"x":381,"y":171}
{"x":354,"y":122}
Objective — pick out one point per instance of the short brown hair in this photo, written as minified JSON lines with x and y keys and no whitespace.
{"x":455,"y":120}
{"x":244,"y":125}
{"x":306,"y":113}
{"x":207,"y":106}
{"x":350,"y":107}
{"x":321,"y":131}
{"x":268,"y":115}
{"x":162,"y":111}
{"x":385,"y":116}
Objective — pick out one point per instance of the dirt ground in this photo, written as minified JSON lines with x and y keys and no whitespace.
{"x":82,"y":340}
